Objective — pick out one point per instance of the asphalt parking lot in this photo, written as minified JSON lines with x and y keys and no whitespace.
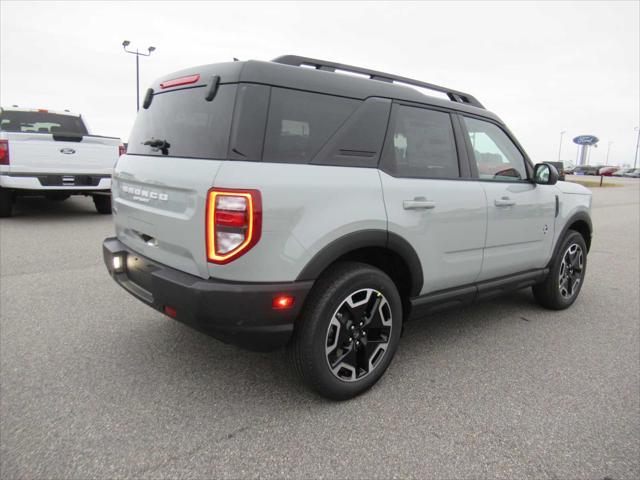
{"x":95,"y":384}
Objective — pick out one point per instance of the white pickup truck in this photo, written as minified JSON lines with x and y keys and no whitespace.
{"x":52,"y":153}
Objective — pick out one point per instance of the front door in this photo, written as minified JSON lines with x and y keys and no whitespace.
{"x":520,"y":214}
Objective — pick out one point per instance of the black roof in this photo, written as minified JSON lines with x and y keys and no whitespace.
{"x":286,"y":72}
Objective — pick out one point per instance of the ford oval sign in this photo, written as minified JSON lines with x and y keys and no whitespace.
{"x":67,"y":151}
{"x":586,"y":140}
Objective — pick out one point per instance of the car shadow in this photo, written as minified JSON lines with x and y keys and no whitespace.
{"x":204,"y":364}
{"x":41,"y":207}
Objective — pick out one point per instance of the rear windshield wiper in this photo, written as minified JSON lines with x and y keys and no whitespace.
{"x":158,"y":144}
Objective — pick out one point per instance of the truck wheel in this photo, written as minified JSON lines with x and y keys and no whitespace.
{"x":6,"y":202}
{"x":102,"y":203}
{"x":348,"y":331}
{"x":566,"y":276}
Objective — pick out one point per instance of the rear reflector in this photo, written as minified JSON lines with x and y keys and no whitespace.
{"x":4,"y":152}
{"x":283,"y":301}
{"x":172,"y":312}
{"x":233,"y":223}
{"x":176,"y":82}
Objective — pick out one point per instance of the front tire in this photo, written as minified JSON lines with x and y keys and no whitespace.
{"x":102,"y":203}
{"x":566,"y":276}
{"x":349,"y":330}
{"x":6,"y":202}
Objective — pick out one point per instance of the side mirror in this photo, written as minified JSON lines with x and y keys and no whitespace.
{"x":545,"y":174}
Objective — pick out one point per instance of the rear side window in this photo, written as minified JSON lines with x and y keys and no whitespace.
{"x":41,"y":122}
{"x":300,"y":123}
{"x":420,"y":144}
{"x":181,"y":123}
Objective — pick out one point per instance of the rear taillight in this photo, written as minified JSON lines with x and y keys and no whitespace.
{"x":233,"y":223}
{"x":121,"y":150}
{"x":4,"y":152}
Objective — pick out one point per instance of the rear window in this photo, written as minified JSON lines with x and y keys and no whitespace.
{"x":300,"y":123}
{"x":181,"y":123}
{"x":41,"y":122}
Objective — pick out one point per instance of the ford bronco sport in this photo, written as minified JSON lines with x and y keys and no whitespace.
{"x":288,"y":203}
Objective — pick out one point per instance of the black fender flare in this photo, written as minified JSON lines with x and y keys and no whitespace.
{"x":363,"y":239}
{"x":578,"y":216}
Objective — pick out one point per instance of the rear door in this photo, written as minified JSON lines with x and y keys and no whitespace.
{"x":521,"y":214}
{"x":429,"y":197}
{"x":159,"y":187}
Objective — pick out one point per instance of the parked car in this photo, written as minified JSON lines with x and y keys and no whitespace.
{"x":607,"y":171}
{"x":621,"y":172}
{"x":586,"y":170}
{"x":633,"y":173}
{"x":569,"y":168}
{"x":52,"y":153}
{"x":278,"y":205}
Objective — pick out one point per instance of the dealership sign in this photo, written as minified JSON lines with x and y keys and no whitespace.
{"x":586,"y":140}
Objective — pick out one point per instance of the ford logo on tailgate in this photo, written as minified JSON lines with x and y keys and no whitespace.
{"x":67,"y":151}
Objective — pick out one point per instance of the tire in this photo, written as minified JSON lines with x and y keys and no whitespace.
{"x":6,"y":202}
{"x":102,"y":203}
{"x":566,"y":276}
{"x":330,"y":330}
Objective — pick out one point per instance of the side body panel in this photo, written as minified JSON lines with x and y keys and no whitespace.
{"x":305,"y":208}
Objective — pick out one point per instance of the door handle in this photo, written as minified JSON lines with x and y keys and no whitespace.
{"x":504,"y":202}
{"x":418,"y":203}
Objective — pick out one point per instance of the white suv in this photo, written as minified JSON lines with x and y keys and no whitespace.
{"x":284,"y":203}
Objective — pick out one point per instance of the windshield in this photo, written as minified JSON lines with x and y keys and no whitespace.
{"x":41,"y":122}
{"x":181,"y":123}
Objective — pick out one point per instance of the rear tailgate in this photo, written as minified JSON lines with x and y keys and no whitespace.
{"x":42,"y":153}
{"x":160,"y":187}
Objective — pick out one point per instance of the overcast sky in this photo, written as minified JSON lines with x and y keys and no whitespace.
{"x":542,"y":67}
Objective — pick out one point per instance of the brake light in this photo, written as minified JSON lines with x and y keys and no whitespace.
{"x":176,"y":82}
{"x":233,"y":223}
{"x":4,"y":152}
{"x":121,"y":150}
{"x":43,"y":110}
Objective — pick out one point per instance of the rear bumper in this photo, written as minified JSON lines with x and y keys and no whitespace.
{"x":237,"y":313}
{"x":74,"y":181}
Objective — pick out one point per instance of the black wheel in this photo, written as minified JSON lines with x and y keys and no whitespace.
{"x":6,"y":202}
{"x":562,"y":286}
{"x":349,"y":330}
{"x":102,"y":203}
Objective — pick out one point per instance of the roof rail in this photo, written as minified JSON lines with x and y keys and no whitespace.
{"x":454,"y":95}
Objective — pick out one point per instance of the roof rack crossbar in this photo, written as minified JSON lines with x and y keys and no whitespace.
{"x":454,"y":95}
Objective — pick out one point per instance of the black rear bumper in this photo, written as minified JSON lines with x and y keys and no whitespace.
{"x":234,"y":312}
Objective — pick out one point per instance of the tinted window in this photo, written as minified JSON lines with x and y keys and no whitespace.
{"x":41,"y":122}
{"x":496,"y":155}
{"x":300,"y":123}
{"x":420,"y":144}
{"x":181,"y":123}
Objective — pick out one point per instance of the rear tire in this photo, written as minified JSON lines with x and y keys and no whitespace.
{"x":6,"y":202}
{"x":348,"y":332}
{"x":102,"y":203}
{"x":566,"y":276}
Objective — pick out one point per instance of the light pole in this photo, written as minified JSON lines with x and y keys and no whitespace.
{"x":635,"y":159}
{"x":125,"y":44}
{"x":560,"y":148}
{"x":606,"y":162}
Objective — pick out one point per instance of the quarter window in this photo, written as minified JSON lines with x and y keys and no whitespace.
{"x":300,"y":123}
{"x":495,"y":154}
{"x":420,"y":144}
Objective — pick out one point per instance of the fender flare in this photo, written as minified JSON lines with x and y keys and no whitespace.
{"x":363,"y":239}
{"x":581,"y":215}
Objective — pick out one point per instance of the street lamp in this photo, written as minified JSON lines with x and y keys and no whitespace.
{"x":608,"y":149}
{"x":635,"y":158}
{"x":560,"y":148}
{"x":137,"y":53}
